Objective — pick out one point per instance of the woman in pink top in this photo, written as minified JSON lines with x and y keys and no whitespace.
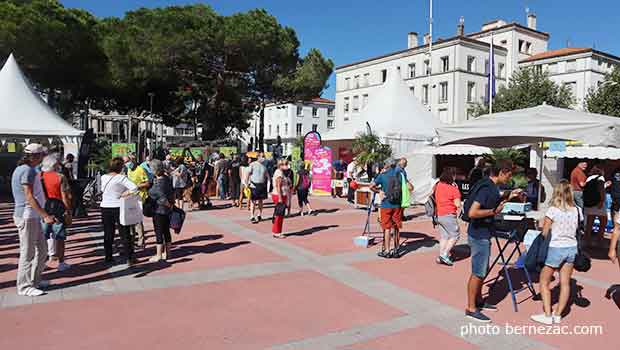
{"x":448,"y":199}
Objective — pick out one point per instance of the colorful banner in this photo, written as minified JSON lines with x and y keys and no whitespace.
{"x":322,"y":171}
{"x":312,"y":142}
{"x":178,"y":151}
{"x":123,"y":149}
{"x":228,"y":151}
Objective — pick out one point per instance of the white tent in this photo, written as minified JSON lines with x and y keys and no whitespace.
{"x":532,"y":125}
{"x":393,"y":114}
{"x":23,"y":112}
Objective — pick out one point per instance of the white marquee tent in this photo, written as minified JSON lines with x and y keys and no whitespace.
{"x":24,"y":114}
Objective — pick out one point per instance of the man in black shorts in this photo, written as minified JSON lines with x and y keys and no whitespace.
{"x":258,"y":177}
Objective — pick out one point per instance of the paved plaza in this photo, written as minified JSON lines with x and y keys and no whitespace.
{"x":230,"y":285}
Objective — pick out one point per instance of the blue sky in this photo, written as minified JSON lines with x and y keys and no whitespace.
{"x":347,"y":30}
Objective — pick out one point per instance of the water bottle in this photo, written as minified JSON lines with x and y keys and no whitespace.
{"x":597,"y":225}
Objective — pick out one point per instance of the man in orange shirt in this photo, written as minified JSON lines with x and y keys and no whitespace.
{"x":578,"y":181}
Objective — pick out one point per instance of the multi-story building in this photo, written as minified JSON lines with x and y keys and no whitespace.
{"x":291,"y":121}
{"x":580,"y":69}
{"x":452,"y":77}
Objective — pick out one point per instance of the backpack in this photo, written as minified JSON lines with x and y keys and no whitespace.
{"x":304,"y":182}
{"x":430,"y":207}
{"x":471,"y":197}
{"x":592,"y":193}
{"x":394,"y":191}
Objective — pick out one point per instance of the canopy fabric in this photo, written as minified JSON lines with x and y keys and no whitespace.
{"x":392,"y":113}
{"x":455,"y":150}
{"x":531,"y":125}
{"x":586,"y":152}
{"x":22,"y":110}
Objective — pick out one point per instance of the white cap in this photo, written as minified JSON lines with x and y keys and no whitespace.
{"x":35,"y":148}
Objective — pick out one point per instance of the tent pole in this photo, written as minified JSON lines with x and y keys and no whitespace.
{"x":540,"y":172}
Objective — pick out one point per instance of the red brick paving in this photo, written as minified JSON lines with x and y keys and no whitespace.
{"x":422,"y":337}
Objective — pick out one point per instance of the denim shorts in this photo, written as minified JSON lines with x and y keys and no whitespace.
{"x":56,"y":231}
{"x":480,"y":255}
{"x":556,"y":256}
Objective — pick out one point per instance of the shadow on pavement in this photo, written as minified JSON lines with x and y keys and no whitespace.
{"x":312,"y":230}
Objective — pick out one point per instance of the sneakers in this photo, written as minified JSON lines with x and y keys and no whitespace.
{"x":477,"y":316}
{"x":32,"y":292}
{"x":487,"y":307}
{"x":556,"y":319}
{"x":542,"y":318}
{"x":63,"y":266}
{"x":383,"y":254}
{"x":253,"y":220}
{"x":259,"y":219}
{"x":446,"y":260}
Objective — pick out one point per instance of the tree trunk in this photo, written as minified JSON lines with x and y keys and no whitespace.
{"x":261,"y":127}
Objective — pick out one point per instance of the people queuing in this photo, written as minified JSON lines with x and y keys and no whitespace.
{"x":138,"y":175}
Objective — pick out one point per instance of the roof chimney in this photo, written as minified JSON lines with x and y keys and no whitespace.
{"x":460,"y":28}
{"x":427,"y":39}
{"x":412,"y":40}
{"x":531,"y":21}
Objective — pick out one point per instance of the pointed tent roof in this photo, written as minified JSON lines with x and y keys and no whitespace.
{"x":392,"y":112}
{"x":23,"y":111}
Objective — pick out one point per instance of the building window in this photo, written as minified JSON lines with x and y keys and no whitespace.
{"x":364,"y":101}
{"x":285,"y":129}
{"x":298,"y":129}
{"x":443,"y":115}
{"x":528,"y":48}
{"x":269,"y":128}
{"x":315,"y":127}
{"x":486,"y":67}
{"x":425,"y":94}
{"x":331,"y":123}
{"x":538,"y":68}
{"x":522,"y":46}
{"x":552,"y":68}
{"x":366,"y":79}
{"x":347,"y":83}
{"x":427,"y":67}
{"x":412,"y":70}
{"x":278,"y":130}
{"x":356,"y":104}
{"x":315,"y":112}
{"x":471,"y":63}
{"x":471,"y":91}
{"x":572,"y":87}
{"x":356,"y":81}
{"x":383,"y":75}
{"x":300,"y":111}
{"x":443,"y":93}
{"x":412,"y":89}
{"x":346,"y":105}
{"x":486,"y":92}
{"x":330,"y":111}
{"x":500,"y":70}
{"x":571,"y":65}
{"x":445,"y":64}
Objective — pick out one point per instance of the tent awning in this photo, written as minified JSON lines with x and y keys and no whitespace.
{"x":455,"y":150}
{"x":586,"y":152}
{"x":532,"y":125}
{"x":22,"y":110}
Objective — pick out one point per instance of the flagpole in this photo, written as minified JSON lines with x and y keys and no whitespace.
{"x":491,"y":77}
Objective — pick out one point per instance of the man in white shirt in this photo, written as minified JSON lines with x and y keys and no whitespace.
{"x":29,"y":203}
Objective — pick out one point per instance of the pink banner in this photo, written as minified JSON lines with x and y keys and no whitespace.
{"x":322,"y":171}
{"x":312,"y":142}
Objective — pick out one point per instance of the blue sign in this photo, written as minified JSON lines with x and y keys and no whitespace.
{"x":557,"y":146}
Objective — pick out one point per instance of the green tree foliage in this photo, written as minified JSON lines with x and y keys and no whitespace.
{"x":528,"y":87}
{"x":368,"y":149}
{"x":606,"y":98}
{"x":58,"y":49}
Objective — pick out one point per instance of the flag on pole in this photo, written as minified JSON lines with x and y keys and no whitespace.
{"x":491,"y":70}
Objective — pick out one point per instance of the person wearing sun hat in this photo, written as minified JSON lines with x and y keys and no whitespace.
{"x":29,"y":201}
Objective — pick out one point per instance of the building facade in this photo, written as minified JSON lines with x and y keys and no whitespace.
{"x":580,"y":69}
{"x":291,"y":121}
{"x":452,"y":78}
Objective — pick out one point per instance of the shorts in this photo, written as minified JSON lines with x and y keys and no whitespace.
{"x":448,"y":226}
{"x":391,"y":218}
{"x":54,"y":231}
{"x":578,"y":198}
{"x":556,"y":256}
{"x":178,"y":193}
{"x":480,"y":255}
{"x":259,"y":191}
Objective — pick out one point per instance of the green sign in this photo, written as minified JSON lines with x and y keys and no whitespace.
{"x":228,"y":151}
{"x":296,"y":154}
{"x":178,"y":151}
{"x":123,"y":149}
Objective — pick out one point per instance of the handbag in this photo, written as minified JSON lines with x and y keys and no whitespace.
{"x":279,"y":210}
{"x":582,"y":262}
{"x":177,"y":218}
{"x":148,"y":207}
{"x":131,"y":210}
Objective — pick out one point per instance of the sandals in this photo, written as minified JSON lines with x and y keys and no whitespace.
{"x":279,"y":235}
